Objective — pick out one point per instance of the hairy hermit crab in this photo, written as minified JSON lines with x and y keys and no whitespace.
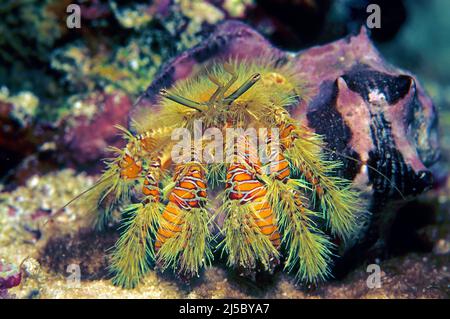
{"x":318,"y":139}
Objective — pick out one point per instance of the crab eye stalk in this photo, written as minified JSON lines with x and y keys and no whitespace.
{"x":219,"y":85}
{"x":243,"y":88}
{"x":234,"y":76}
{"x":182,"y":100}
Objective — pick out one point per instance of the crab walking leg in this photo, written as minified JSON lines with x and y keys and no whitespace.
{"x":130,"y":259}
{"x":245,"y":188}
{"x":171,"y":224}
{"x":250,"y":228}
{"x":183,"y":237}
{"x":308,"y":248}
{"x":123,"y":173}
{"x":339,"y":201}
{"x":265,"y":219}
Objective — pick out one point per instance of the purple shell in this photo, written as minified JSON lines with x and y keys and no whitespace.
{"x":364,"y":107}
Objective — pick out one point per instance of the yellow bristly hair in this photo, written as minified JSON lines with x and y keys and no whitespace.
{"x":308,"y":248}
{"x":340,"y":201}
{"x":134,"y":251}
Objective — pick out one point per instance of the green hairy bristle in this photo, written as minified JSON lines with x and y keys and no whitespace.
{"x":340,"y":202}
{"x":111,"y":185}
{"x":244,"y":243}
{"x":134,"y":249}
{"x":190,"y":249}
{"x":308,"y":248}
{"x":216,"y":174}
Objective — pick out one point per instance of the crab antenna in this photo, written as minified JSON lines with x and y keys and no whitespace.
{"x":182,"y":100}
{"x":242,"y":89}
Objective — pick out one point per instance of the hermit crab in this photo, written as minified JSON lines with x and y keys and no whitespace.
{"x":232,"y":151}
{"x":279,"y":198}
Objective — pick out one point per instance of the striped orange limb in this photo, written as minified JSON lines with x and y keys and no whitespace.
{"x":183,"y":237}
{"x":250,"y":228}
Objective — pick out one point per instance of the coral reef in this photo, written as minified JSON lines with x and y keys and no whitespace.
{"x":24,"y":210}
{"x":87,"y":135}
{"x":10,"y":276}
{"x":16,"y":114}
